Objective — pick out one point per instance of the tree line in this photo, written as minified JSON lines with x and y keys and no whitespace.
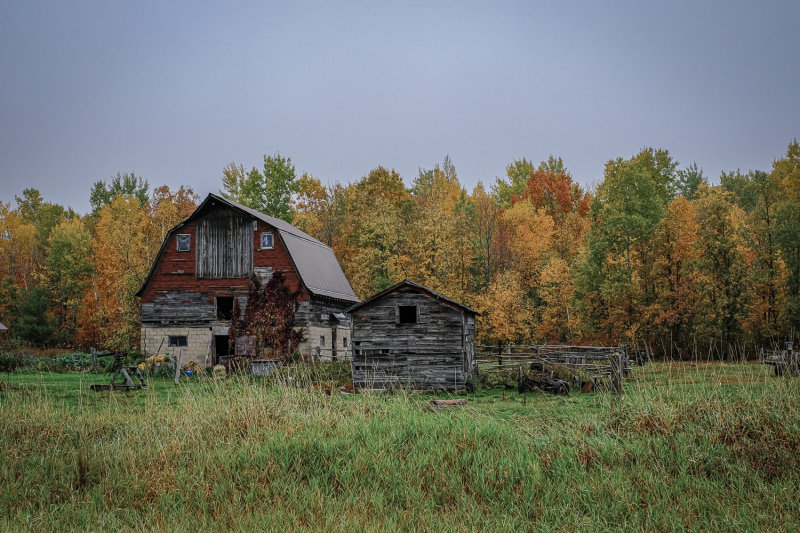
{"x":654,"y":256}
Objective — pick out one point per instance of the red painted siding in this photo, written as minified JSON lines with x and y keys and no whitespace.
{"x":176,"y":270}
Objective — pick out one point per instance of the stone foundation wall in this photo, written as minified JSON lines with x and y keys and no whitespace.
{"x":314,"y":334}
{"x":197,"y":340}
{"x":196,"y":348}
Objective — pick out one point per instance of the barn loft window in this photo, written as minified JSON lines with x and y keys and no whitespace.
{"x":177,"y":341}
{"x":267,"y":241}
{"x":407,"y":314}
{"x":224,"y":307}
{"x":184,"y":241}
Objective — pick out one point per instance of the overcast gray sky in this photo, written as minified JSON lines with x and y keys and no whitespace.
{"x":175,"y":90}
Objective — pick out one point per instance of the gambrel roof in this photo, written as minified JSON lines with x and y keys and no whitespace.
{"x":315,"y":263}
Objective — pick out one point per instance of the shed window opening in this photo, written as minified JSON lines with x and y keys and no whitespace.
{"x":267,"y":241}
{"x":224,"y":307}
{"x":184,"y":242}
{"x":322,"y":340}
{"x":344,"y":342}
{"x":407,"y":314}
{"x":177,"y":341}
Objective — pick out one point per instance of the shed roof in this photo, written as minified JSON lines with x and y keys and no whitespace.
{"x":2,"y":327}
{"x":418,"y":288}
{"x":315,"y":262}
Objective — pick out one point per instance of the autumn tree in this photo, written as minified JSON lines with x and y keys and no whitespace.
{"x":558,"y":320}
{"x":437,"y":253}
{"x":786,"y":174}
{"x":484,"y":220}
{"x":127,"y":184}
{"x":17,"y":243}
{"x":121,"y":252}
{"x":269,"y":190}
{"x":69,"y":269}
{"x":378,"y":210}
{"x":766,"y":267}
{"x":165,"y":210}
{"x":554,"y":193}
{"x":320,"y":210}
{"x":688,"y":180}
{"x":43,"y":216}
{"x":517,"y":172}
{"x":506,"y":314}
{"x":670,"y":317}
{"x":723,"y":257}
{"x":531,"y":232}
{"x":617,"y":270}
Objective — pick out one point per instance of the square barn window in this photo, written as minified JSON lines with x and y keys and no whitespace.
{"x":407,"y":314}
{"x":177,"y":341}
{"x":267,"y":241}
{"x":184,"y":241}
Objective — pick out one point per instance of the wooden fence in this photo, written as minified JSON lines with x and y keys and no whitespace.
{"x":598,"y":362}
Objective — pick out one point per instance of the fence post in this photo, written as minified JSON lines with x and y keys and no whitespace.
{"x":178,"y":367}
{"x":499,"y":353}
{"x":94,"y":360}
{"x":616,"y":371}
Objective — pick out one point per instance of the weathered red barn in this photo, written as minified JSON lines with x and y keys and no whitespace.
{"x":205,"y":263}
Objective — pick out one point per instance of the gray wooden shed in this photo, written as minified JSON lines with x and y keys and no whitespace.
{"x":408,"y":335}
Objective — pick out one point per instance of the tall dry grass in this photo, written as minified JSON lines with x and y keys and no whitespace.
{"x":687,"y":446}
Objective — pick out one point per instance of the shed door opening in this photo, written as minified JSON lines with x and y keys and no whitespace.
{"x":224,"y":307}
{"x":408,"y":314}
{"x":221,"y":345}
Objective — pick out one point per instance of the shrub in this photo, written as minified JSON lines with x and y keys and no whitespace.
{"x":74,"y":361}
{"x":10,"y":362}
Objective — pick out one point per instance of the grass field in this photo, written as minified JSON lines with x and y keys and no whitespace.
{"x":707,"y":446}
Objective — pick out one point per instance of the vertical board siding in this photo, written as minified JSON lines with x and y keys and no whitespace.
{"x":224,"y":245}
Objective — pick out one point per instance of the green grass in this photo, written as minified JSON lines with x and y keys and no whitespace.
{"x":686,"y":447}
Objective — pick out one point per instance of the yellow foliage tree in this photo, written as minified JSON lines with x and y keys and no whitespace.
{"x":531,"y":236}
{"x":17,"y":244}
{"x":559,"y":322}
{"x":506,"y":315}
{"x":121,"y":256}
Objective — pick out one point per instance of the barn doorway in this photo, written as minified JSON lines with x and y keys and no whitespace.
{"x":222,"y":347}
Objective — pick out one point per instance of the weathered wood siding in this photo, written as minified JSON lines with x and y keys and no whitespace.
{"x":431,"y":354}
{"x":177,"y":295}
{"x":224,"y":245}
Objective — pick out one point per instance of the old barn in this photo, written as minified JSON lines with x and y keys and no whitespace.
{"x":205,"y":263}
{"x":408,"y":335}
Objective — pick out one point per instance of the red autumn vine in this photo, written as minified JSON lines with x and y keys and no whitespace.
{"x":269,"y":317}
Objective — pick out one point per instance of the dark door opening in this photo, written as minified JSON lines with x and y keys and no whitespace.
{"x":221,"y":346}
{"x":224,"y":307}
